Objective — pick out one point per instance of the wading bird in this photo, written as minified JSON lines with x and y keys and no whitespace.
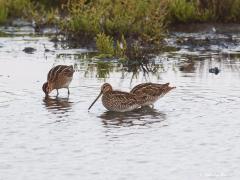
{"x":58,"y":77}
{"x":117,"y":101}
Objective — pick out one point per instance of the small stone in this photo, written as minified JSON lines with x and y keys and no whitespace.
{"x":29,"y":50}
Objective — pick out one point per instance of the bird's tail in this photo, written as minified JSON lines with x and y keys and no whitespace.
{"x":168,"y":88}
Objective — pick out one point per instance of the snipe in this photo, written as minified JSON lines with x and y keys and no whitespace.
{"x":58,"y":77}
{"x":149,"y":93}
{"x":117,"y":101}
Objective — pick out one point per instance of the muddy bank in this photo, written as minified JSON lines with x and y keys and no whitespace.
{"x":218,"y":38}
{"x":181,"y":39}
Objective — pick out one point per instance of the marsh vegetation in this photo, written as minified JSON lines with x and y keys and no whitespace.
{"x":116,"y":27}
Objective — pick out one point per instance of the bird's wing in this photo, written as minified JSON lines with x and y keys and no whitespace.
{"x":124,"y":97}
{"x":59,"y":70}
{"x":151,"y":89}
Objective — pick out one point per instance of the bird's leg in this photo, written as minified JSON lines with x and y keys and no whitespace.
{"x":57,"y":92}
{"x":68,"y":91}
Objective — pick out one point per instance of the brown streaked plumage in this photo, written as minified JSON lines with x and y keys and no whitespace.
{"x":149,"y":93}
{"x":58,"y":77}
{"x":117,"y":101}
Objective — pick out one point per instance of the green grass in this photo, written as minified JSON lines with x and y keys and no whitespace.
{"x":29,"y":10}
{"x":191,"y":11}
{"x":107,"y":49}
{"x":15,"y":8}
{"x":183,"y":10}
{"x":3,"y":12}
{"x":114,"y":18}
{"x":104,"y":44}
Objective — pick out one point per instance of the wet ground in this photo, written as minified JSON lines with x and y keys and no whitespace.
{"x":191,"y":133}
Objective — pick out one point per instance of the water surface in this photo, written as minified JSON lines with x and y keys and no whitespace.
{"x":191,"y":133}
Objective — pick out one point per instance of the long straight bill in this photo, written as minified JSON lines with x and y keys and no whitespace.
{"x":95,"y":100}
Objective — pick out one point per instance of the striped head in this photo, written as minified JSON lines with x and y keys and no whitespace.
{"x":46,"y":88}
{"x":106,"y":87}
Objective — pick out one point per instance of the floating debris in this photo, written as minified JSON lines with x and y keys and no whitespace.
{"x":215,"y":70}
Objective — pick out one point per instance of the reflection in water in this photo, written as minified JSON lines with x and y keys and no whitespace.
{"x":188,"y":67}
{"x":142,"y":117}
{"x":103,"y":69}
{"x":203,"y":117}
{"x":57,"y":105}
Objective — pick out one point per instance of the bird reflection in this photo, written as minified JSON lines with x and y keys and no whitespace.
{"x":141,"y":117}
{"x":57,"y":104}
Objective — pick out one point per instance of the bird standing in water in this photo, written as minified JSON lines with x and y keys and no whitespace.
{"x":117,"y":101}
{"x":149,"y":93}
{"x":58,"y":77}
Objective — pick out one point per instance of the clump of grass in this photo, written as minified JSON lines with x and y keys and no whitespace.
{"x":135,"y":52}
{"x":43,"y":16}
{"x":104,"y":44}
{"x":106,"y":48}
{"x":13,"y":8}
{"x":182,"y":10}
{"x":83,"y":18}
{"x":139,"y":18}
{"x":188,"y":11}
{"x":185,"y":11}
{"x":27,"y":9}
{"x":18,"y":8}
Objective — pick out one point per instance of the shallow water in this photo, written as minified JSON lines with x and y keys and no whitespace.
{"x":191,"y":133}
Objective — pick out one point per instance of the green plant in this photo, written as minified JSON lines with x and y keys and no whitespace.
{"x":3,"y":12}
{"x":42,"y":16}
{"x":138,"y":18}
{"x":183,"y":10}
{"x":104,"y":44}
{"x":187,"y":11}
{"x":83,"y":18}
